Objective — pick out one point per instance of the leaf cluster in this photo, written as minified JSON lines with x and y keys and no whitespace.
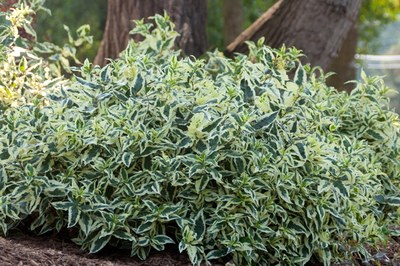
{"x":253,"y":159}
{"x":30,"y":69}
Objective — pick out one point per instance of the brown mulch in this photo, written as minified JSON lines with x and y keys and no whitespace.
{"x":388,"y":253}
{"x":22,"y":249}
{"x":27,"y":250}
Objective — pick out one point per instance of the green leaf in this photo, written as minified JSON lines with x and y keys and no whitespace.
{"x":265,"y":229}
{"x":88,"y":84}
{"x":127,"y":158}
{"x":192,"y":252}
{"x":239,"y":164}
{"x":199,"y":225}
{"x":323,"y":186}
{"x":374,"y":134}
{"x":85,"y":223}
{"x":248,"y":92}
{"x":99,"y":243}
{"x":143,"y":241}
{"x":342,"y":189}
{"x":212,"y":125}
{"x":62,"y":205}
{"x":265,"y":121}
{"x":3,"y":178}
{"x":296,"y":227}
{"x":393,"y":201}
{"x":326,"y":256}
{"x":105,"y":73}
{"x":163,"y":239}
{"x":99,"y":206}
{"x":23,"y":64}
{"x":104,"y":96}
{"x":56,"y":189}
{"x":4,"y":155}
{"x":217,"y":254}
{"x":302,"y":151}
{"x":144,"y":227}
{"x":123,"y":235}
{"x":153,"y":207}
{"x":202,"y":183}
{"x":170,"y":211}
{"x":143,"y":252}
{"x":379,"y":198}
{"x":300,"y":77}
{"x":185,"y":143}
{"x":73,"y":216}
{"x":283,"y":194}
{"x":395,"y":232}
{"x":28,"y":28}
{"x":29,"y":170}
{"x":320,"y":216}
{"x":91,"y":153}
{"x":294,"y":127}
{"x":138,"y":85}
{"x":182,"y":246}
{"x":120,"y":96}
{"x":338,"y":218}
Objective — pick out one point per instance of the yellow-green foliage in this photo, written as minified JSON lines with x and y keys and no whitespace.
{"x":29,"y":69}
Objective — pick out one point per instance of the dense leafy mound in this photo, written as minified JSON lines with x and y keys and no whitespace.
{"x":252,"y":158}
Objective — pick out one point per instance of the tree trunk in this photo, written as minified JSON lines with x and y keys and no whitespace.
{"x":232,"y":11}
{"x":318,"y":27}
{"x":189,"y":17}
{"x":344,"y":65}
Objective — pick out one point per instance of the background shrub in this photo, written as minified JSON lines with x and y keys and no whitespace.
{"x":29,"y":69}
{"x":252,"y":158}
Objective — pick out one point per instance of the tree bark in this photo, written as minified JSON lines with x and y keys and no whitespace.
{"x":318,"y":27}
{"x":189,"y":16}
{"x":344,"y":65}
{"x":232,"y":11}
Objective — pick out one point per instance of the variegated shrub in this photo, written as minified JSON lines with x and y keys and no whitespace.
{"x":252,"y":159}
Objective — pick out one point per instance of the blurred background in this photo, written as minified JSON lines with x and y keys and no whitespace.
{"x":376,"y":35}
{"x":382,"y":58}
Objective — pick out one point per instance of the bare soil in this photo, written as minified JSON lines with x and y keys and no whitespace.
{"x":22,"y":249}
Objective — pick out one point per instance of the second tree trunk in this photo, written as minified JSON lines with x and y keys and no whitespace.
{"x":189,"y":17}
{"x":318,"y":27}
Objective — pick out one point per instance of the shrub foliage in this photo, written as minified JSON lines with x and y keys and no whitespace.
{"x":252,"y":158}
{"x":28,"y":66}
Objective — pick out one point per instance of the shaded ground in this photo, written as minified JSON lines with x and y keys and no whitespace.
{"x":22,"y":249}
{"x":35,"y":251}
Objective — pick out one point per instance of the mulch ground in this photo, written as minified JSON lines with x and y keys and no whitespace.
{"x":22,"y":249}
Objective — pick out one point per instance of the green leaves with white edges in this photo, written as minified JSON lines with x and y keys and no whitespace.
{"x":218,"y":156}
